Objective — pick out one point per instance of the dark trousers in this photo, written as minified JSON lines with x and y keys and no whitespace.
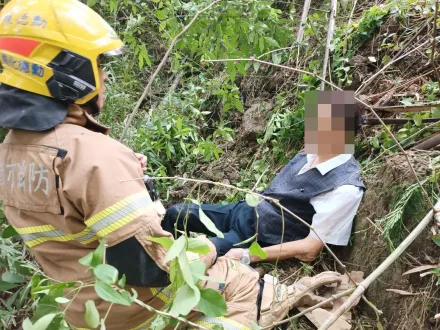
{"x":236,"y":222}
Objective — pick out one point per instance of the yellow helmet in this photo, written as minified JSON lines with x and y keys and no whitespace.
{"x":51,"y":48}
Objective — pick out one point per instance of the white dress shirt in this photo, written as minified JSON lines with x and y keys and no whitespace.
{"x":335,"y":209}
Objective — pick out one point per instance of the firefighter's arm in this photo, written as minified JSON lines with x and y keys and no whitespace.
{"x":103,"y":180}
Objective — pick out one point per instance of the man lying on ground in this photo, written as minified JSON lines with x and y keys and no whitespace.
{"x":321,"y":185}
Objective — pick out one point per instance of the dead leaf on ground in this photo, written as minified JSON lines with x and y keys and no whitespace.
{"x":402,"y":292}
{"x":419,"y":269}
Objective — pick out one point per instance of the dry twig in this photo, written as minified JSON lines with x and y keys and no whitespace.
{"x":371,"y":79}
{"x":434,"y":35}
{"x":302,"y":24}
{"x":409,"y":108}
{"x":331,"y":29}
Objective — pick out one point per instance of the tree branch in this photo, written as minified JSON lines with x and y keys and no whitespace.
{"x":302,"y":24}
{"x":434,"y":34}
{"x":367,"y":83}
{"x":331,"y":29}
{"x":160,"y":66}
{"x":409,"y":108}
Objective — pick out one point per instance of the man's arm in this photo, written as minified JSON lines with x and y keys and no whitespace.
{"x":306,"y":249}
{"x":332,"y":222}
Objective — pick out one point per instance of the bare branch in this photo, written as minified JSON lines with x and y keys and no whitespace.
{"x":434,"y":35}
{"x":160,"y":66}
{"x":371,"y":79}
{"x":331,"y":29}
{"x":302,"y":24}
{"x":409,"y":108}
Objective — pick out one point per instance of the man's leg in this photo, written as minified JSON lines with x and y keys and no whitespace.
{"x":187,"y":216}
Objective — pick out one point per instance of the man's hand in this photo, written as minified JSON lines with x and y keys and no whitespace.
{"x":143,"y":161}
{"x":235,"y":254}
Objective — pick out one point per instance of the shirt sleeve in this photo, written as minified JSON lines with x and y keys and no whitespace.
{"x":335,"y":211}
{"x":103,"y":181}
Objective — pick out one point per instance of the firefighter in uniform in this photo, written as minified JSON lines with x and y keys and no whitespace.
{"x":66,"y":185}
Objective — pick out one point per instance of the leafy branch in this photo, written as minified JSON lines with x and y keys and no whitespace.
{"x":159,"y":68}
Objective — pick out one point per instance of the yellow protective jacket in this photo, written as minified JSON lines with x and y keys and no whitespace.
{"x":66,"y":188}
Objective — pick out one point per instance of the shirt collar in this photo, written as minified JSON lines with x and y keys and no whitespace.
{"x":330,"y":164}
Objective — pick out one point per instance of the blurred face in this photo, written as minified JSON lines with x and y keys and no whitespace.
{"x":326,"y":117}
{"x":103,"y":78}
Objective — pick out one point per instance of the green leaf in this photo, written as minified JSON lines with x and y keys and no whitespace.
{"x":166,"y":242}
{"x":185,"y":268}
{"x":272,"y":42}
{"x":107,"y":293}
{"x":435,"y":112}
{"x":256,"y":250}
{"x":86,"y":260}
{"x":209,"y":224}
{"x":141,"y":60}
{"x":176,"y":248}
{"x":94,"y":258}
{"x":186,"y":299}
{"x":27,"y":324}
{"x":98,"y":254}
{"x":47,"y":305}
{"x":261,"y":44}
{"x":218,"y":327}
{"x":436,"y":239}
{"x":256,"y":66}
{"x":276,"y":58}
{"x":198,"y":246}
{"x":4,"y":286}
{"x":198,"y":269}
{"x":9,"y":232}
{"x":250,"y":239}
{"x":161,"y":14}
{"x":122,"y":281}
{"x":252,"y":200}
{"x":212,"y":303}
{"x":407,"y":101}
{"x":92,"y":316}
{"x":91,"y":3}
{"x":106,"y":273}
{"x":230,"y":67}
{"x":418,"y":119}
{"x":160,"y":322}
{"x":62,"y":300}
{"x":43,"y":322}
{"x":58,"y":286}
{"x":12,"y":278}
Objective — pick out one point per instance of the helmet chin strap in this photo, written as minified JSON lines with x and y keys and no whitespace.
{"x":93,"y":106}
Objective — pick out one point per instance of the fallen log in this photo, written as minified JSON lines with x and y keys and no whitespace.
{"x":429,"y":143}
{"x":397,"y":121}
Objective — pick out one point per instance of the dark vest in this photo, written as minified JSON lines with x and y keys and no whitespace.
{"x":294,"y":193}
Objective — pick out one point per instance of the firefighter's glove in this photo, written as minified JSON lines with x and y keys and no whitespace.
{"x":279,"y":299}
